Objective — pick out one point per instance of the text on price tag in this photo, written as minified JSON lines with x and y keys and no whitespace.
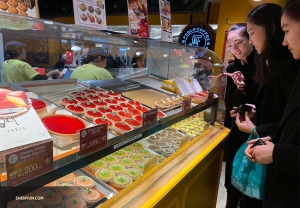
{"x":93,"y":138}
{"x":29,"y":163}
{"x":150,"y":118}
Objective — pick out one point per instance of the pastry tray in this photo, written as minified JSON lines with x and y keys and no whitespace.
{"x":148,"y":97}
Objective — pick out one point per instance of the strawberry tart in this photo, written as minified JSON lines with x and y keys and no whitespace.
{"x":134,"y":102}
{"x":115,"y":108}
{"x":111,"y":101}
{"x":134,"y":111}
{"x":89,"y":91}
{"x":103,"y":120}
{"x":113,"y":94}
{"x":142,"y":108}
{"x":103,"y":95}
{"x":92,"y":114}
{"x":125,"y":105}
{"x":122,"y":128}
{"x":114,"y":117}
{"x":124,"y":114}
{"x":82,"y":99}
{"x":105,"y":110}
{"x":76,"y":93}
{"x":68,"y":100}
{"x":88,"y":105}
{"x":100,"y":102}
{"x":93,"y":97}
{"x":39,"y":106}
{"x":120,"y":99}
{"x":76,"y":109}
{"x":133,"y":123}
{"x":161,"y":115}
{"x":139,"y":118}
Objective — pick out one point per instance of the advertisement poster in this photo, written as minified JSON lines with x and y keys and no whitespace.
{"x":90,"y":13}
{"x":20,"y":7}
{"x":138,"y":18}
{"x":165,"y":20}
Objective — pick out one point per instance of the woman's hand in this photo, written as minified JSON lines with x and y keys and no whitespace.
{"x":262,"y":154}
{"x":253,"y":111}
{"x":249,"y":151}
{"x":233,"y":112}
{"x":246,"y":125}
{"x":238,"y":78}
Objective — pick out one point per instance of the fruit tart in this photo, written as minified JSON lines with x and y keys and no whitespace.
{"x":122,"y":181}
{"x":134,"y":111}
{"x":163,"y":104}
{"x":133,"y":123}
{"x":126,"y":162}
{"x":84,"y":182}
{"x":139,"y":118}
{"x":103,"y":120}
{"x":119,"y":154}
{"x":104,"y":110}
{"x":29,"y":204}
{"x":144,"y":152}
{"x":93,"y":97}
{"x":103,"y":95}
{"x":92,"y":114}
{"x":75,"y":202}
{"x":115,"y":108}
{"x":98,"y":164}
{"x":136,"y":157}
{"x":129,"y":149}
{"x":88,"y":105}
{"x":105,"y":175}
{"x":39,"y":106}
{"x":139,"y":166}
{"x":122,"y":128}
{"x":76,"y":93}
{"x":161,"y":115}
{"x":111,"y":101}
{"x":82,"y":99}
{"x":125,"y":105}
{"x":120,"y":99}
{"x":137,"y":145}
{"x":109,"y":159}
{"x":68,"y":100}
{"x":100,"y":102}
{"x":142,"y":108}
{"x":67,"y":190}
{"x":67,"y":178}
{"x":90,"y":195}
{"x":99,"y":90}
{"x":133,"y":173}
{"x":114,"y":117}
{"x":113,"y":94}
{"x":124,"y":114}
{"x":134,"y":103}
{"x":89,"y":91}
{"x":51,"y":199}
{"x":117,"y":169}
{"x":75,"y":108}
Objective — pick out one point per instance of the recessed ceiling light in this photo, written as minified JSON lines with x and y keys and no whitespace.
{"x":256,"y":0}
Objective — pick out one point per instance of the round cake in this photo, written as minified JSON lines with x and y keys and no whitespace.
{"x":51,"y":199}
{"x":90,"y":195}
{"x":122,"y":128}
{"x":93,"y":97}
{"x":120,"y":99}
{"x":124,"y":114}
{"x":119,"y":154}
{"x":75,"y":202}
{"x":122,"y":181}
{"x":77,"y":93}
{"x":139,"y":166}
{"x":114,"y":94}
{"x":92,"y":114}
{"x":129,"y":149}
{"x":76,"y":109}
{"x":133,"y":123}
{"x":134,"y":102}
{"x":63,"y":125}
{"x":111,"y":101}
{"x":137,"y":145}
{"x":136,"y":157}
{"x":105,"y":175}
{"x":39,"y":106}
{"x":89,"y":91}
{"x":30,"y":204}
{"x":98,"y":164}
{"x":126,"y":162}
{"x":109,"y":159}
{"x":142,"y":108}
{"x":133,"y":173}
{"x":117,"y":169}
{"x":113,"y":117}
{"x":67,"y":178}
{"x":67,"y":101}
{"x":115,"y":108}
{"x":125,"y":105}
{"x":104,"y":110}
{"x":84,"y":182}
{"x":103,"y":120}
{"x":144,"y":153}
{"x":67,"y":190}
{"x":88,"y":105}
{"x":100,"y":103}
{"x":134,"y":111}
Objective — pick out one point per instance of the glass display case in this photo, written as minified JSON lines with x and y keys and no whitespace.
{"x":155,"y":116}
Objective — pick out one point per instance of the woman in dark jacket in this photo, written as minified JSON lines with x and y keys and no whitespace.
{"x":238,"y":44}
{"x":283,"y":153}
{"x":276,"y":73}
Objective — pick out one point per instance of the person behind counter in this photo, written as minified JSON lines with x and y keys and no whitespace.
{"x":138,"y":60}
{"x":16,"y":70}
{"x":95,"y":69}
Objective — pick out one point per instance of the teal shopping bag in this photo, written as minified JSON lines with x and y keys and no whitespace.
{"x":248,"y":177}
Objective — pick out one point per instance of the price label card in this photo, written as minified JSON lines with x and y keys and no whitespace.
{"x":93,"y":138}
{"x":150,"y":164}
{"x":186,"y":105}
{"x":150,"y":119}
{"x":25,"y":164}
{"x":184,"y":141}
{"x":210,"y":97}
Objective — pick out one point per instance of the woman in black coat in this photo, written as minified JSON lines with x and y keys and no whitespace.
{"x":276,"y":74}
{"x":283,"y":153}
{"x":238,"y":44}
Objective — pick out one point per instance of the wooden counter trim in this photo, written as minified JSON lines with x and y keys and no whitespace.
{"x":151,"y":189}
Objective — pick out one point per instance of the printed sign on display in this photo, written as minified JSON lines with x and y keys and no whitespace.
{"x":149,"y":119}
{"x":165,"y":19}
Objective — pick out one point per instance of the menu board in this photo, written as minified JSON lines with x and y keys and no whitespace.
{"x":165,"y":20}
{"x":138,"y":18}
{"x":90,"y":13}
{"x":20,"y":7}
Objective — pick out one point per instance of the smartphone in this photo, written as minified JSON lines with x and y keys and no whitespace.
{"x":258,"y":142}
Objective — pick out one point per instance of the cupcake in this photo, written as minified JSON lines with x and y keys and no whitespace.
{"x":136,"y":157}
{"x":144,"y":152}
{"x":129,"y":149}
{"x":84,"y":182}
{"x":90,"y":195}
{"x":126,"y":162}
{"x":67,"y":178}
{"x":51,"y":199}
{"x":67,"y":190}
{"x":133,"y":173}
{"x":119,"y":154}
{"x":109,"y":159}
{"x":117,"y":169}
{"x":98,"y":164}
{"x":75,"y":202}
{"x":139,"y":166}
{"x":122,"y":181}
{"x":105,"y":175}
{"x":136,"y":146}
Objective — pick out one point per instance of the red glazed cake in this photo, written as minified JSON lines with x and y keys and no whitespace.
{"x":76,"y":93}
{"x":82,"y":99}
{"x":122,"y":128}
{"x":138,"y":118}
{"x":39,"y":106}
{"x":103,"y":95}
{"x":161,"y":115}
{"x":113,"y":117}
{"x":134,"y":102}
{"x":63,"y":125}
{"x":134,"y":111}
{"x":89,"y":91}
{"x":103,"y":120}
{"x":125,"y":105}
{"x":88,"y":105}
{"x":124,"y":114}
{"x":100,"y":102}
{"x":115,"y":107}
{"x":114,"y":94}
{"x":76,"y":109}
{"x":142,"y":108}
{"x":111,"y":101}
{"x":93,"y":97}
{"x":133,"y":123}
{"x":68,"y":100}
{"x":104,"y":110}
{"x":92,"y":114}
{"x":120,"y":99}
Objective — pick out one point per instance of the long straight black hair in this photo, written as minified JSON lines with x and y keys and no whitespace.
{"x":268,"y":16}
{"x":292,"y":10}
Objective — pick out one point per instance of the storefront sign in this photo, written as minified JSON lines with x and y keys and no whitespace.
{"x":165,"y":20}
{"x":90,"y":13}
{"x":149,"y":119}
{"x":29,"y":163}
{"x":93,"y":138}
{"x":198,"y":35}
{"x":138,"y":18}
{"x":25,"y":8}
{"x":186,"y":105}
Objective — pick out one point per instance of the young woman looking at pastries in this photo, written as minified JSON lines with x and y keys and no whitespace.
{"x":95,"y":69}
{"x":16,"y":70}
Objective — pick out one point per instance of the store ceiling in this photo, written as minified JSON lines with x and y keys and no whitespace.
{"x":54,"y":8}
